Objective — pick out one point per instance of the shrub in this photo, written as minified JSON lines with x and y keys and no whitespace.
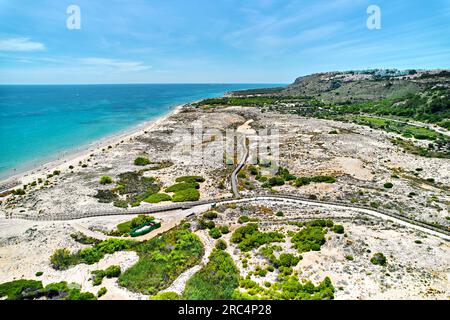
{"x":215,"y":233}
{"x":243,"y":219}
{"x":388,"y":185}
{"x":221,"y":244}
{"x":39,"y":273}
{"x":18,"y":289}
{"x":253,"y":170}
{"x":303,"y":181}
{"x":276,"y":181}
{"x":56,"y":173}
{"x":186,"y":195}
{"x":101,"y":292}
{"x":249,"y":237}
{"x":280,"y":214}
{"x":309,"y":239}
{"x":224,"y":229}
{"x":105,"y":196}
{"x":166,"y":296}
{"x":141,"y":161}
{"x":379,"y":259}
{"x":210,"y":215}
{"x":190,"y":179}
{"x":182,"y":186}
{"x":18,"y":192}
{"x":287,"y":260}
{"x":161,"y":260}
{"x":110,"y":272}
{"x":120,"y":204}
{"x":105,"y":180}
{"x":349,"y":257}
{"x":62,"y":259}
{"x":337,"y":228}
{"x":217,"y":280}
{"x":158,"y":197}
{"x":31,"y":289}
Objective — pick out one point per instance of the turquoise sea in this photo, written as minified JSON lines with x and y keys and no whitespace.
{"x":40,"y":122}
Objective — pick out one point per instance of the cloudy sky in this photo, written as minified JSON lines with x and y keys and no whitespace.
{"x":180,"y":41}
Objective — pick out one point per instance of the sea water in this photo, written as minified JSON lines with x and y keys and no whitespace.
{"x":42,"y":122}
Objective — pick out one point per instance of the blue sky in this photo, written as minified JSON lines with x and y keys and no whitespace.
{"x":175,"y":41}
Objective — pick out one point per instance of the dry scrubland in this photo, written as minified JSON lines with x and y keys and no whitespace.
{"x":366,"y":167}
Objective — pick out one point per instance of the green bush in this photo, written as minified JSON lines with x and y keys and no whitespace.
{"x":106,"y":180}
{"x":303,"y":181}
{"x":62,"y":259}
{"x":215,"y":281}
{"x":379,"y":259}
{"x":19,"y":289}
{"x":215,"y":233}
{"x":101,"y":292}
{"x":388,"y":185}
{"x":221,"y":244}
{"x":110,"y":272}
{"x":161,"y":260}
{"x":166,"y":296}
{"x":120,"y":204}
{"x":287,"y":260}
{"x":224,"y":229}
{"x":249,"y":237}
{"x":18,"y":192}
{"x":309,"y":239}
{"x":186,"y":195}
{"x":39,"y":273}
{"x":276,"y":181}
{"x":158,"y":197}
{"x":337,"y":228}
{"x":280,"y":214}
{"x":190,"y":179}
{"x":243,"y":219}
{"x":141,"y":161}
{"x":211,"y":214}
{"x":182,"y":186}
{"x":31,"y":289}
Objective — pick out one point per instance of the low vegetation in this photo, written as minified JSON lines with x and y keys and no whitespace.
{"x":62,"y":258}
{"x":158,"y":197}
{"x":141,"y":161}
{"x":215,"y":281}
{"x":162,"y":260}
{"x":31,"y":289}
{"x":379,"y":259}
{"x":110,"y":272}
{"x":249,"y":237}
{"x":289,"y":288}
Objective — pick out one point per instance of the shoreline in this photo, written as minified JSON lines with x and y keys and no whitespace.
{"x":72,"y":157}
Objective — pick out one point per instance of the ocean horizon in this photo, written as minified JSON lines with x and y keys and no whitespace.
{"x":40,"y":123}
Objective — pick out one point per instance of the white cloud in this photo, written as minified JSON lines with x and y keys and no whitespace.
{"x":20,"y":45}
{"x":120,"y":65}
